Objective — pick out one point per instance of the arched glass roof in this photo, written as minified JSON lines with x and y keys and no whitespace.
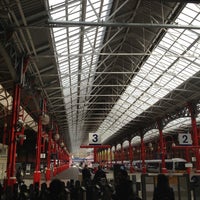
{"x":77,"y":64}
{"x":104,"y":67}
{"x":171,"y":63}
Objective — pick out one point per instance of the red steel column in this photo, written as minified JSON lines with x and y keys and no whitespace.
{"x":115,"y":154}
{"x":118,"y":155}
{"x":11,"y":159}
{"x":122,"y":154}
{"x":48,"y":170}
{"x":131,"y":157}
{"x":143,"y":156}
{"x":111,"y":157}
{"x":162,"y":149}
{"x":95,"y":155}
{"x":195,"y":138}
{"x":11,"y":179}
{"x":37,"y":173}
{"x":187,"y":159}
{"x":106,"y":157}
{"x":55,"y":158}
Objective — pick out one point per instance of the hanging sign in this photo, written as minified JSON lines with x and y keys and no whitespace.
{"x":185,"y":139}
{"x":94,"y":138}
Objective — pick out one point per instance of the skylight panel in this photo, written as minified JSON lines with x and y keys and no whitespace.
{"x":60,"y":48}
{"x":195,"y":50}
{"x":151,"y":62}
{"x":130,"y":100}
{"x":151,"y":77}
{"x":74,"y":16}
{"x":58,"y":15}
{"x":167,"y":40}
{"x":173,"y":35}
{"x":185,"y":19}
{"x":73,"y":12}
{"x":196,"y":22}
{"x":190,"y":12}
{"x":181,"y":44}
{"x":137,"y":92}
{"x":57,"y":31}
{"x":60,"y":36}
{"x":125,"y":106}
{"x":73,"y":32}
{"x":129,"y":89}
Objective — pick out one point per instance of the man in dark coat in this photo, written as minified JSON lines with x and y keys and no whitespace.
{"x":86,"y":175}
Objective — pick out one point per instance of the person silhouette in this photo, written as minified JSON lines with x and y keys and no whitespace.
{"x":86,"y":175}
{"x":163,"y":190}
{"x":100,"y":175}
{"x":124,"y":187}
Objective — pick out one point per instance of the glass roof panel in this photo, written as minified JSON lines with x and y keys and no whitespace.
{"x":70,"y":38}
{"x":170,"y":74}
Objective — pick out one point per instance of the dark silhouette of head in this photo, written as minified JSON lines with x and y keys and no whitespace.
{"x":163,"y":180}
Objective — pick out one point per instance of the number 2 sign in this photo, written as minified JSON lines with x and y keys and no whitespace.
{"x":94,"y":138}
{"x":185,"y":139}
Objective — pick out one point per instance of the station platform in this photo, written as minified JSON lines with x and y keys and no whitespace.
{"x":143,"y":184}
{"x":68,"y":174}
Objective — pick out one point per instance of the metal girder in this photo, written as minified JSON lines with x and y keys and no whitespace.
{"x":57,"y":24}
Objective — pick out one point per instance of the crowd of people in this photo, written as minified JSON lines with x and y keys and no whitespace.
{"x":57,"y":190}
{"x":123,"y":186}
{"x":91,"y":183}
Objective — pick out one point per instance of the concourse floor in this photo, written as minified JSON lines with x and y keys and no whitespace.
{"x":71,"y":173}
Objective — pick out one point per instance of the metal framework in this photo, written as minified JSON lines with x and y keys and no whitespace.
{"x":104,"y":66}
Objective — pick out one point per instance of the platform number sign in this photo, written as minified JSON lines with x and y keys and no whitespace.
{"x":185,"y":139}
{"x":94,"y":138}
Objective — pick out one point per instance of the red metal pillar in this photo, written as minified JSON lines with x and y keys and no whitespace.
{"x":195,"y":138}
{"x":143,"y":156}
{"x":100,"y":156}
{"x":11,"y":179}
{"x":122,"y":154}
{"x":118,"y":155}
{"x":187,"y":159}
{"x":95,"y":155}
{"x":106,"y":157}
{"x":55,"y":158}
{"x":11,"y":159}
{"x":37,"y":173}
{"x":131,"y":157}
{"x":162,"y":149}
{"x":115,"y":154}
{"x":111,"y":157}
{"x":48,"y":170}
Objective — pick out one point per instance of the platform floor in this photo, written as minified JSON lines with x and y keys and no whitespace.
{"x":71,"y":173}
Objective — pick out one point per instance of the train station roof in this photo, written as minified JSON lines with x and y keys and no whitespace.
{"x":109,"y":67}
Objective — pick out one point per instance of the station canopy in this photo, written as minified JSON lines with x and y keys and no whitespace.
{"x":109,"y":67}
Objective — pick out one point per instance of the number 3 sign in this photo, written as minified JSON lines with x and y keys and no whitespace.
{"x":94,"y":138}
{"x":185,"y":139}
